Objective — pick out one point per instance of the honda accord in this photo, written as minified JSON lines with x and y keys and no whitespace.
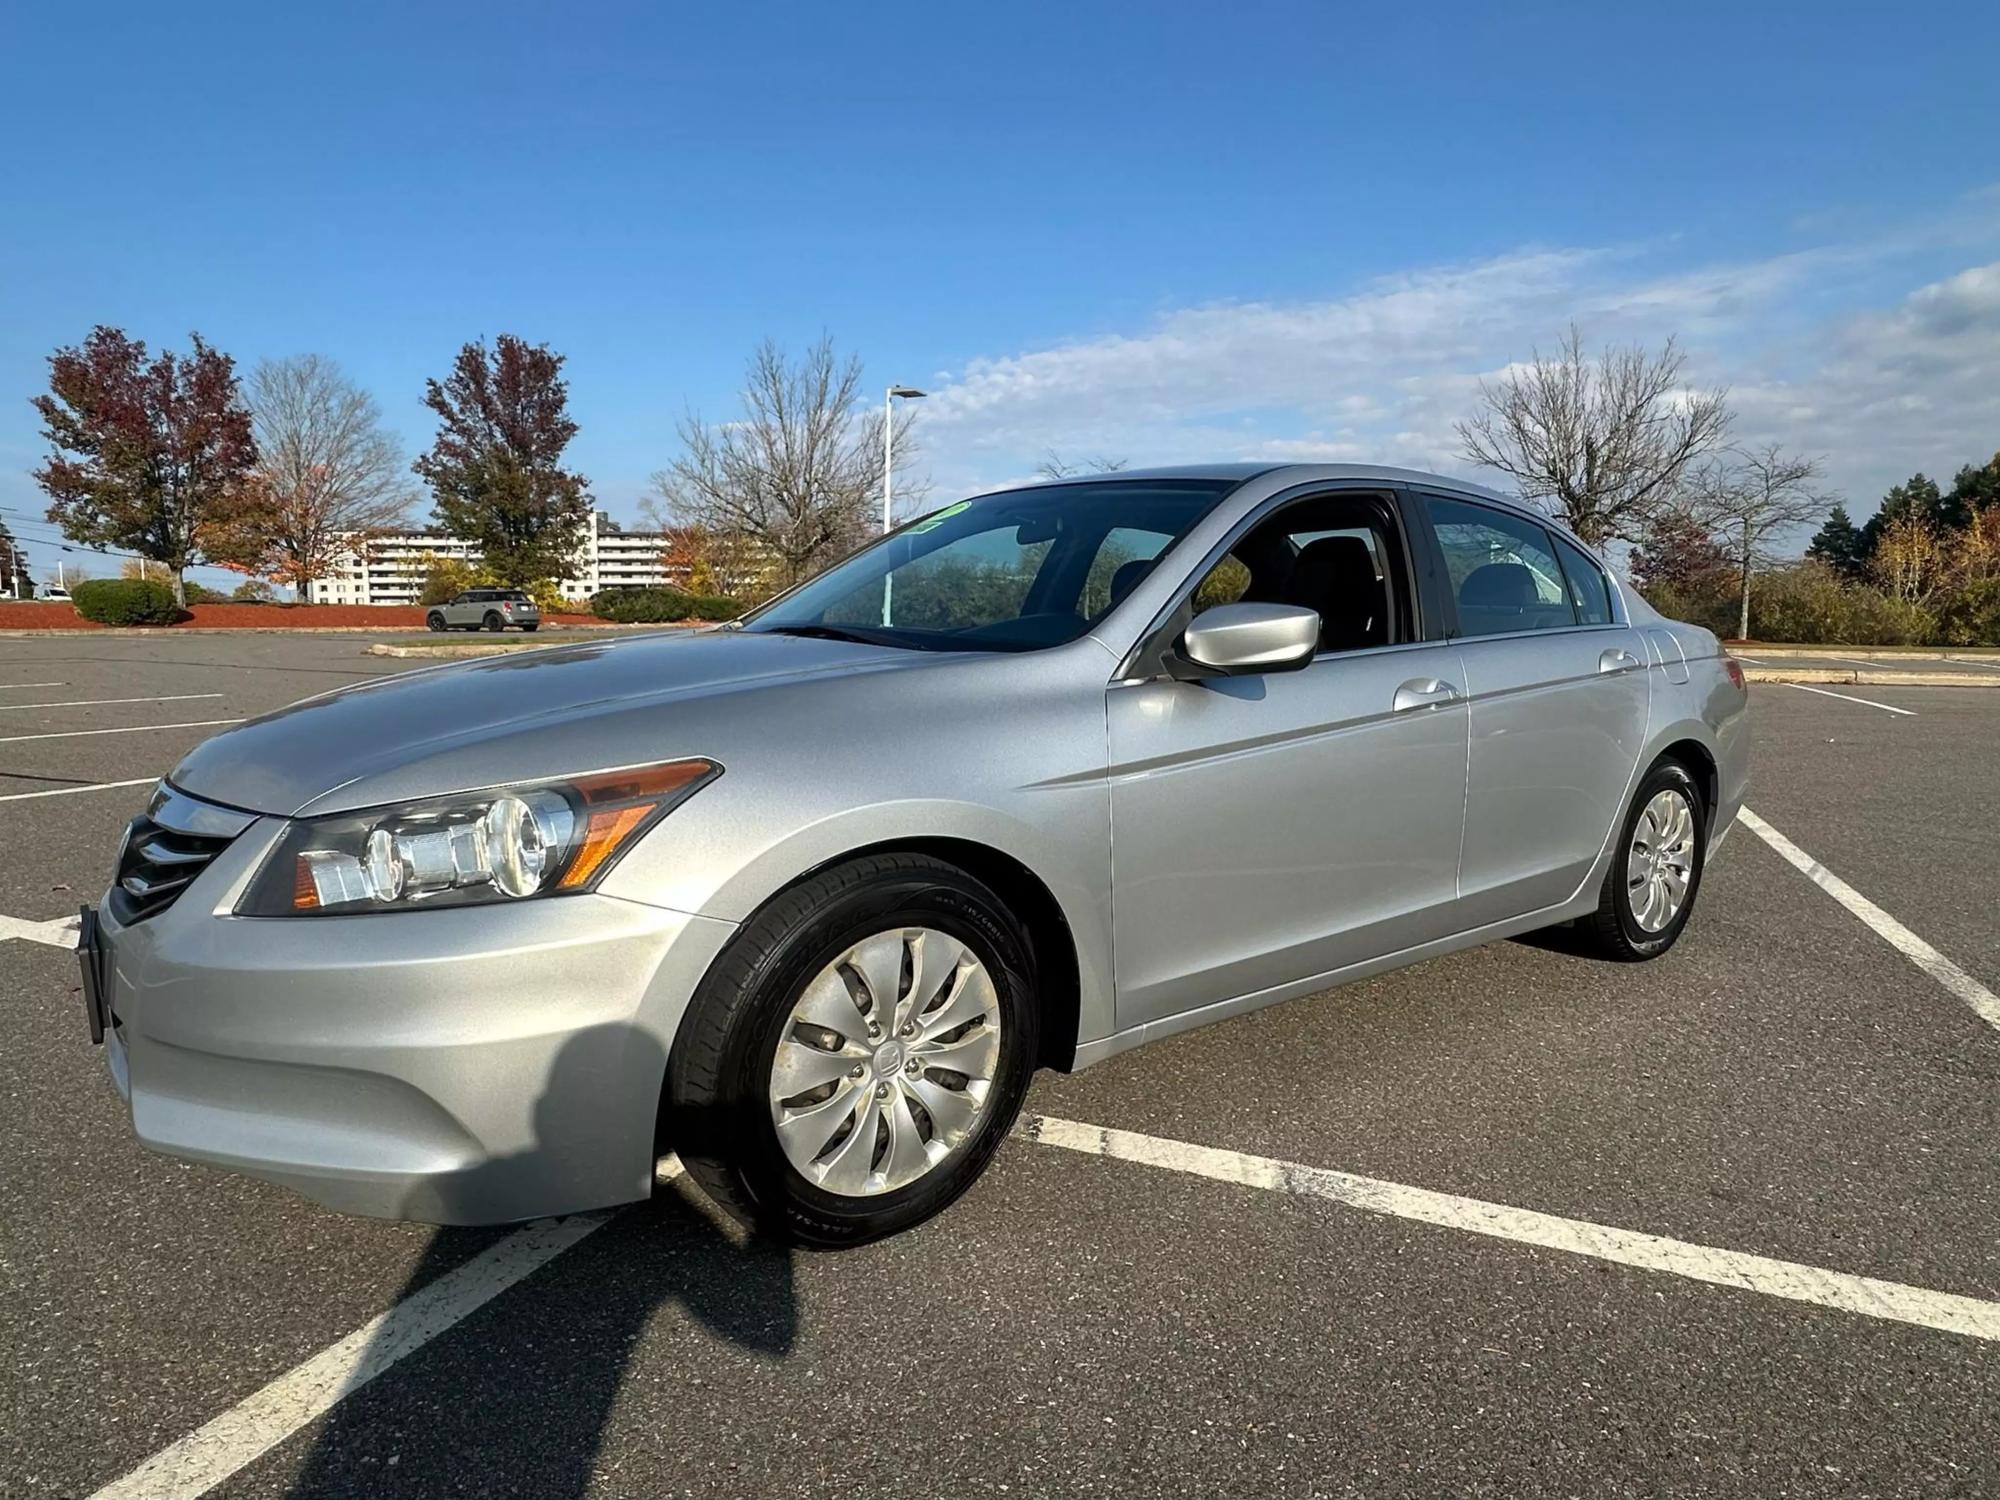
{"x":808,"y":898}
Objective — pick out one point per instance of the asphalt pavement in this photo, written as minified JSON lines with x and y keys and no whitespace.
{"x":1785,"y":1085}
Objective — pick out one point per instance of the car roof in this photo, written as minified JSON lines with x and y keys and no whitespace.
{"x":1302,"y":472}
{"x":1313,"y":473}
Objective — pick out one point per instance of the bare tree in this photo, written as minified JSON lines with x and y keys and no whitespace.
{"x":1748,"y":499}
{"x":798,"y":476}
{"x":328,"y":475}
{"x":1605,"y":441}
{"x":1055,"y":466}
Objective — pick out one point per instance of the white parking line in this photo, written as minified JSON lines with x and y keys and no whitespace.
{"x":71,"y":791}
{"x":1908,"y":713}
{"x":1945,"y":1311}
{"x":4,"y":686}
{"x":61,"y":933}
{"x":259,"y":1422}
{"x":1974,"y":661}
{"x":77,"y":734}
{"x":1985,"y":1004}
{"x":100,"y":702}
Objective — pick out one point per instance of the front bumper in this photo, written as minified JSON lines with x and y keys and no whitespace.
{"x":457,"y":1066}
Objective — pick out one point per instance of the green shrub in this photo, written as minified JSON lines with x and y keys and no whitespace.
{"x":1972,"y":618}
{"x":126,"y":601}
{"x":197,"y":593}
{"x":664,"y":605}
{"x":1713,"y":608}
{"x":1878,"y":619}
{"x":1810,"y":603}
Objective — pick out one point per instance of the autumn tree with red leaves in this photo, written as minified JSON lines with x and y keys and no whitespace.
{"x":495,"y":469}
{"x":151,"y":455}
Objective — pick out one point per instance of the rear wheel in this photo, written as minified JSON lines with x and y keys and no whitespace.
{"x":493,"y":621}
{"x":856,"y":1056}
{"x":434,"y":620}
{"x":1655,"y":871}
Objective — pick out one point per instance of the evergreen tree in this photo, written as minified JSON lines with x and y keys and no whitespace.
{"x":1841,"y":545}
{"x":1975,"y":488}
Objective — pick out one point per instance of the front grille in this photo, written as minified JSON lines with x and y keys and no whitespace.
{"x":157,"y":865}
{"x":166,"y":847}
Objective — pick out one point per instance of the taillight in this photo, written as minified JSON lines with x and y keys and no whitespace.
{"x":1735,"y":670}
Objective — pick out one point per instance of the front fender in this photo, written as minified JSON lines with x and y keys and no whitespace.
{"x":724,"y":857}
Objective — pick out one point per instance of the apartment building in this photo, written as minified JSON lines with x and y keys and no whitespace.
{"x":390,"y":569}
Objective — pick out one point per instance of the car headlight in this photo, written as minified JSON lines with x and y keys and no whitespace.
{"x":501,"y":844}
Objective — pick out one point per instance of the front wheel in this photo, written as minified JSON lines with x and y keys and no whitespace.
{"x":857,"y":1054}
{"x":434,"y":620}
{"x":1655,"y":869}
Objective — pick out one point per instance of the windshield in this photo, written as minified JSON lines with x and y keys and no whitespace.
{"x":1015,"y":571}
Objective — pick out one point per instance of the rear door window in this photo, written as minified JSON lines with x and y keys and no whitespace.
{"x":1502,"y":569}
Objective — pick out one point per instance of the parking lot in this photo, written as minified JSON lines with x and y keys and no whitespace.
{"x":1513,"y":1222}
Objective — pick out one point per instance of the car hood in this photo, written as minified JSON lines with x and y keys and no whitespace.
{"x":528,"y":715}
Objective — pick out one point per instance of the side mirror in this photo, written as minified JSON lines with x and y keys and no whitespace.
{"x":1237,"y":640}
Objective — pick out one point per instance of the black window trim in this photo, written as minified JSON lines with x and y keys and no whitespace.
{"x":1147,"y":659}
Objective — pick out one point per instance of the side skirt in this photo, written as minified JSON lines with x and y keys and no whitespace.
{"x":1578,"y":905}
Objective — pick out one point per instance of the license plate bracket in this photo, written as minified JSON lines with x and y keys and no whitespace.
{"x":93,"y":959}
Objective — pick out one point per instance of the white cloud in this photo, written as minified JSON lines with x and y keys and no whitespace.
{"x":1884,"y":392}
{"x":1892,"y":381}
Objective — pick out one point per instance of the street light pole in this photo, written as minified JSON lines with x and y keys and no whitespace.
{"x":907,"y":393}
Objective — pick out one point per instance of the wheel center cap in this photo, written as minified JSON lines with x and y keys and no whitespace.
{"x":888,"y":1059}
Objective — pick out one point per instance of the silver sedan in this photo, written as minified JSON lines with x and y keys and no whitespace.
{"x":1037,"y":778}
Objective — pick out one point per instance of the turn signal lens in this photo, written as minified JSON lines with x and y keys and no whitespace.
{"x":621,"y":803}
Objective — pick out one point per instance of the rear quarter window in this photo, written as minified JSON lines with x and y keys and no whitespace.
{"x":1588,"y":592}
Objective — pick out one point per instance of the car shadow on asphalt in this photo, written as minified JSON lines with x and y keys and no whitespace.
{"x":1568,"y":939}
{"x":516,"y":1398}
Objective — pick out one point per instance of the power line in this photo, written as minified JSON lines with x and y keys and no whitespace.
{"x":52,"y":536}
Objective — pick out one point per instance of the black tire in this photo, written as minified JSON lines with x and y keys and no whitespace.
{"x":493,"y":621}
{"x":716,"y":1112}
{"x":435,"y":621}
{"x":1611,"y":931}
{"x":532,"y":626}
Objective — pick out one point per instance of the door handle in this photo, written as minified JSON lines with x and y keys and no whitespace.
{"x":1618,"y":659}
{"x":1424,"y":692}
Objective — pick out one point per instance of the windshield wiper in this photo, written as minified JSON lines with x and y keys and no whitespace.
{"x":832,"y":633}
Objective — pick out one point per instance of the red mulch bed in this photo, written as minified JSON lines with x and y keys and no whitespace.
{"x":37,"y":614}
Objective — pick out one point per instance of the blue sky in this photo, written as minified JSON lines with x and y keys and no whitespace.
{"x":1160,"y":231}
